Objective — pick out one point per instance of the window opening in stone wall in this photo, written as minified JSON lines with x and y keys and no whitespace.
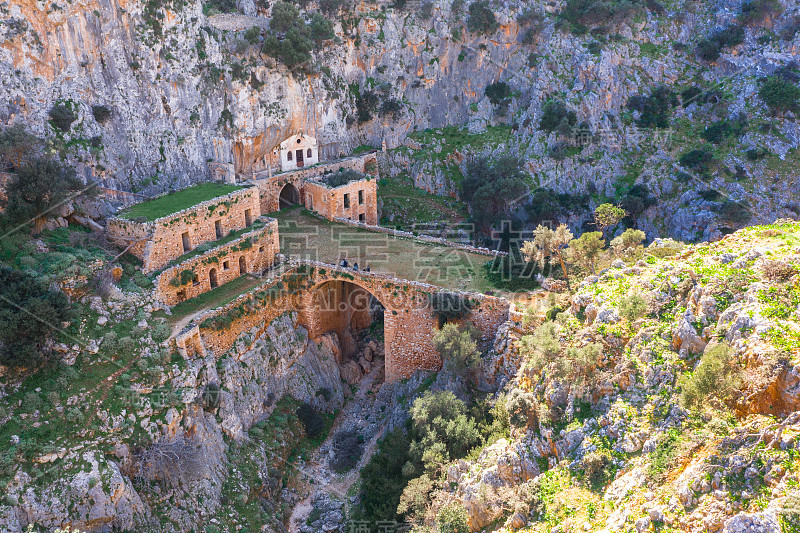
{"x":346,"y":201}
{"x":218,"y":228}
{"x":187,"y":242}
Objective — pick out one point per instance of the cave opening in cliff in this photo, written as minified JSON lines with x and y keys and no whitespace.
{"x":289,"y":196}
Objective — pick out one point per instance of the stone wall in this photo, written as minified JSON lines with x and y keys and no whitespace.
{"x":200,"y":223}
{"x":270,"y":186}
{"x":255,"y":251}
{"x":408,"y":319}
{"x":132,"y":235}
{"x":356,"y":201}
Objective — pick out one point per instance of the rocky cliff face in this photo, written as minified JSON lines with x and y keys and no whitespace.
{"x":91,"y":491}
{"x":185,"y":89}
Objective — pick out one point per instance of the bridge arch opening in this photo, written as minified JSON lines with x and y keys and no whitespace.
{"x":288,"y":196}
{"x":354,"y":314}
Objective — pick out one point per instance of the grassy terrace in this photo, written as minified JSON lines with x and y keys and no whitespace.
{"x":212,"y":299}
{"x":177,"y":201}
{"x":304,"y":236}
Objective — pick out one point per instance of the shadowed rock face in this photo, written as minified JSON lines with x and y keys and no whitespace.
{"x":169,"y":102}
{"x":178,"y":97}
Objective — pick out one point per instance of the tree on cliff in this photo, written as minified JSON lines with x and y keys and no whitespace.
{"x":457,"y":347}
{"x":548,"y":244}
{"x":39,"y":187}
{"x":606,"y":216}
{"x":291,"y":39}
{"x":29,"y":314}
{"x":491,"y":188}
{"x":587,"y":247}
{"x":17,"y":145}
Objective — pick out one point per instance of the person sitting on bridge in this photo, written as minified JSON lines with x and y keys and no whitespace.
{"x":343,"y":263}
{"x":366,"y":268}
{"x":355,"y":267}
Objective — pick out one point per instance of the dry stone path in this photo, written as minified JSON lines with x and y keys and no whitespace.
{"x":317,"y":477}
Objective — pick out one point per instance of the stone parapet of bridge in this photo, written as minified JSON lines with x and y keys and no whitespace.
{"x":330,"y":298}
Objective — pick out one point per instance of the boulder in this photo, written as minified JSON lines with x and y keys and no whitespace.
{"x":350,"y":372}
{"x":763,"y":522}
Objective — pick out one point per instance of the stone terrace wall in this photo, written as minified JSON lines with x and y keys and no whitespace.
{"x":270,"y":187}
{"x":126,"y":233}
{"x":164,"y":235}
{"x":329,"y":202}
{"x":258,"y":248}
{"x":408,"y":320}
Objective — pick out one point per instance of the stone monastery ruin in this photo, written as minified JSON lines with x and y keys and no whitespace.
{"x":201,"y":238}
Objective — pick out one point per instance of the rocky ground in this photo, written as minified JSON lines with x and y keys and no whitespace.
{"x":611,"y":444}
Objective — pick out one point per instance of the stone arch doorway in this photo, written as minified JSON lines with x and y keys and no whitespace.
{"x":212,"y":278}
{"x":289,"y":196}
{"x":242,"y":266}
{"x":350,"y":311}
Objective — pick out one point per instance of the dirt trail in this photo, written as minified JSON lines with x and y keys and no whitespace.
{"x":317,"y":468}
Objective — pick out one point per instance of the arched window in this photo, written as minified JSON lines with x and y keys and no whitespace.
{"x":308,"y":153}
{"x":289,"y":155}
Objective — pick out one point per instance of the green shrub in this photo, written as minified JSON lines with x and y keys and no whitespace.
{"x":701,"y":160}
{"x":23,"y":334}
{"x":709,"y":49}
{"x":491,"y":187}
{"x":663,"y":456}
{"x":312,"y":421}
{"x":581,"y":14}
{"x":127,"y":345}
{"x":780,"y":95}
{"x":716,"y":377}
{"x":654,"y":109}
{"x":40,"y":184}
{"x":347,"y":447}
{"x":342,"y":177}
{"x":719,"y":131}
{"x":498,"y":92}
{"x":735,"y":213}
{"x":253,"y":35}
{"x":452,"y":518}
{"x":101,"y":113}
{"x":62,"y":116}
{"x":757,"y":11}
{"x":633,"y":307}
{"x":457,"y":347}
{"x":291,"y":39}
{"x":522,"y":407}
{"x":161,"y":332}
{"x":440,"y":432}
{"x":212,"y":7}
{"x":481,"y":18}
{"x":598,"y":469}
{"x":331,"y":7}
{"x":754,"y":154}
{"x":557,"y":118}
{"x":382,"y":480}
{"x":31,"y":402}
{"x":366,"y":105}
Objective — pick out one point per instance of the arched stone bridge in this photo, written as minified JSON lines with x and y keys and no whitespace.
{"x":331,"y":298}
